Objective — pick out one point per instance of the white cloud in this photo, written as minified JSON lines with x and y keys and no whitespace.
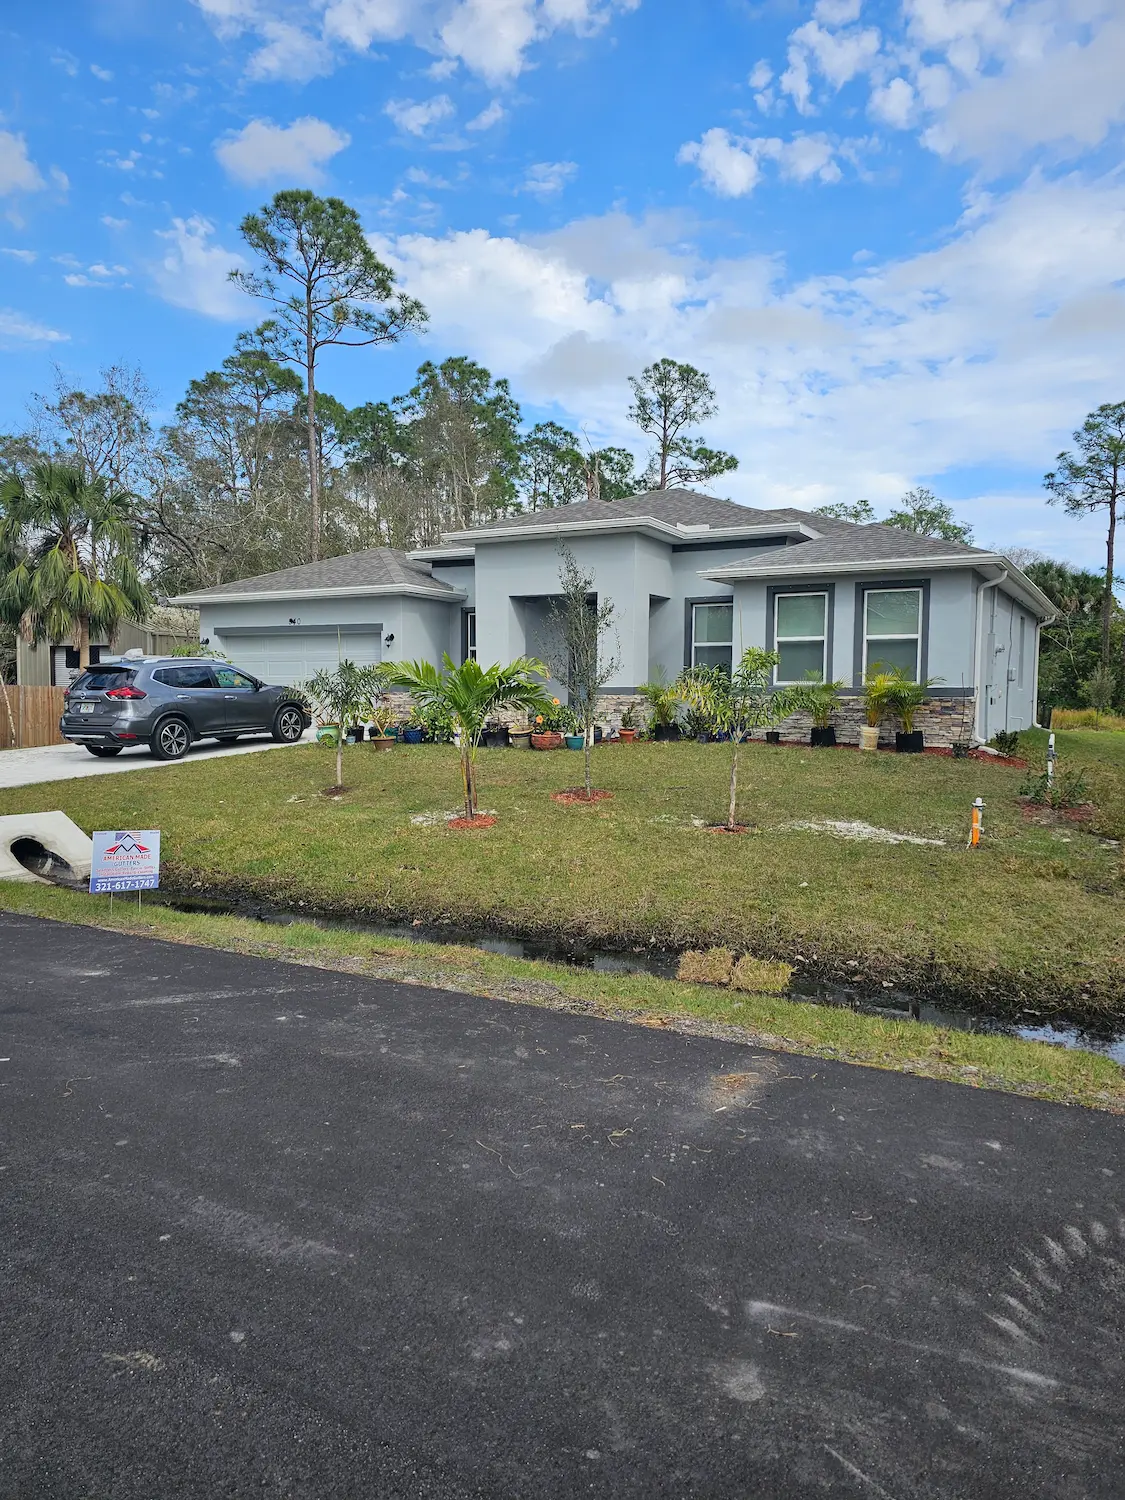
{"x":491,"y":37}
{"x":986,"y":351}
{"x":838,"y":56}
{"x":893,"y":102}
{"x":103,"y":73}
{"x":760,"y":75}
{"x":18,"y":173}
{"x":194,"y":272}
{"x":17,"y":329}
{"x":731,"y":165}
{"x":111,"y":223}
{"x":416,"y":117}
{"x":29,"y":257}
{"x":491,"y":115}
{"x":261,"y":151}
{"x":546,"y":178}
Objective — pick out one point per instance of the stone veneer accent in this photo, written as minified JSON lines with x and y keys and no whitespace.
{"x":942,"y":721}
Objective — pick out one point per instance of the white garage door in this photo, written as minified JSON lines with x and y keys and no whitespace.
{"x":289,"y":657}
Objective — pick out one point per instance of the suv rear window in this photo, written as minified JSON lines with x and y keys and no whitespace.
{"x":185,"y":677}
{"x":101,"y":679}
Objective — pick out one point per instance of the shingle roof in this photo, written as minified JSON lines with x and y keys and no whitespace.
{"x":846,"y":543}
{"x":377,"y":567}
{"x":670,"y":506}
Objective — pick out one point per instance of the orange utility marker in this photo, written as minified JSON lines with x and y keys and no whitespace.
{"x":978,"y":821}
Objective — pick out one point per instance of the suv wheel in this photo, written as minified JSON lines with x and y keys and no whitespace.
{"x":103,"y":752}
{"x":171,"y":741}
{"x":288,"y":724}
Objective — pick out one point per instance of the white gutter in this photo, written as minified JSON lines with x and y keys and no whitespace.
{"x":978,"y":650}
{"x":352,"y":591}
{"x":1039,"y":627}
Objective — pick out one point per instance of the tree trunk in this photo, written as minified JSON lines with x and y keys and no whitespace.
{"x":733,"y":785}
{"x":83,"y":643}
{"x":310,"y":421}
{"x":467,"y":776}
{"x":8,"y":712}
{"x":589,"y":736}
{"x":1107,"y":602}
{"x":340,"y":755}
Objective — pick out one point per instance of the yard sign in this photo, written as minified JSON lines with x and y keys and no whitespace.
{"x":128,"y":860}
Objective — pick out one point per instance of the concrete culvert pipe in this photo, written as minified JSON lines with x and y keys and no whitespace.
{"x":46,"y":847}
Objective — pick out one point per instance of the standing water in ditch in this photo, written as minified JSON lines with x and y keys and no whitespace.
{"x":662,"y":963}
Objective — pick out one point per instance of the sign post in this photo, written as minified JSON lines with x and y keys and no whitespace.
{"x":125,"y":860}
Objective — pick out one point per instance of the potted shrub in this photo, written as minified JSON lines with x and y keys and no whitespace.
{"x":904,"y":698}
{"x":628,"y":731}
{"x":380,"y":712}
{"x":519,"y":736}
{"x":876,"y":702}
{"x":495,"y":736}
{"x":820,"y":700}
{"x":547,"y":727}
{"x":663,"y":699}
{"x":696,"y":725}
{"x":773,"y":736}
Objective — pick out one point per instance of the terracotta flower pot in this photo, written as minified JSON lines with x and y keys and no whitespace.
{"x":626,"y":736}
{"x":382,"y":741}
{"x":548,"y":740}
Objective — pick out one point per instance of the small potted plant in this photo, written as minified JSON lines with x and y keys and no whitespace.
{"x":546,"y":730}
{"x":696,"y":725}
{"x":519,"y":736}
{"x":573,"y":737}
{"x":904,"y":698}
{"x":663,"y":699}
{"x":495,"y":736}
{"x":414,"y":729}
{"x":628,"y":731}
{"x":876,"y":702}
{"x":381,"y":714}
{"x":820,"y":700}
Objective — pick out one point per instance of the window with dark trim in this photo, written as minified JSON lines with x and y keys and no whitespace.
{"x":712,"y":635}
{"x":892,"y":631}
{"x":470,"y":616}
{"x":801,"y":636}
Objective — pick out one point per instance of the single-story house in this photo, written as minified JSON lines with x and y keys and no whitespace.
{"x":694,"y":579}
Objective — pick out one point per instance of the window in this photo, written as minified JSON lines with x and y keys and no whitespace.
{"x":185,"y":677}
{"x":227,"y":677}
{"x":95,"y":681}
{"x":892,"y":631}
{"x":712,"y":635}
{"x":801,"y":636}
{"x":470,"y":635}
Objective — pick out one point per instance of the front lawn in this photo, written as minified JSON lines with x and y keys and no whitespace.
{"x":1036,"y":916}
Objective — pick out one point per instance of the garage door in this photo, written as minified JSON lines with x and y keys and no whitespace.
{"x":289,"y":657}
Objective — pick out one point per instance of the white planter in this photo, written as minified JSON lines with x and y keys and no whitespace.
{"x":869,"y":737}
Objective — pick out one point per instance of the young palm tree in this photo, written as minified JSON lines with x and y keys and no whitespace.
{"x":736,"y":703}
{"x":70,"y":564}
{"x":470,"y":694}
{"x":341,"y":697}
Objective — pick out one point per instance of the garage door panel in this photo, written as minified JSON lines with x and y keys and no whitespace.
{"x":286,"y":659}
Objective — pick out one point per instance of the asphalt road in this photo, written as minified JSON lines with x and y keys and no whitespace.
{"x":63,"y":762}
{"x":271,"y":1231}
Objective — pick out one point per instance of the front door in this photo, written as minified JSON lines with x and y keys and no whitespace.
{"x":243,"y":705}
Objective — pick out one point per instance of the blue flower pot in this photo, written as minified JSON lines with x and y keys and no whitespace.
{"x":575,"y":741}
{"x":412,"y":736}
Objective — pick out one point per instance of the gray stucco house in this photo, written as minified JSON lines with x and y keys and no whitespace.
{"x":695,"y":580}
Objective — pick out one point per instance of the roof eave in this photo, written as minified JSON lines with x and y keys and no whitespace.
{"x":365,"y":591}
{"x":665,"y":530}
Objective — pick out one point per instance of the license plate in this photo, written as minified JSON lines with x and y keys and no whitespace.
{"x":86,"y":708}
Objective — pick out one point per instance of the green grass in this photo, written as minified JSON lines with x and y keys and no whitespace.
{"x":1036,"y":916}
{"x":981,"y":1061}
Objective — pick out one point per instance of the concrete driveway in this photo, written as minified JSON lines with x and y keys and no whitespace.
{"x":273,"y":1231}
{"x":62,"y":762}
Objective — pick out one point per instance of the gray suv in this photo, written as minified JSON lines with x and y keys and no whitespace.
{"x":167,"y":702}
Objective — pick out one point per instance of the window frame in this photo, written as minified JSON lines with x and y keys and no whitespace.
{"x":693,"y":644}
{"x":823,"y":638}
{"x":914,"y":635}
{"x":469,"y":634}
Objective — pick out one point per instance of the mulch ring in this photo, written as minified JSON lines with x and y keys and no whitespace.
{"x":575,"y":794}
{"x":480,"y":821}
{"x":1038,"y":812}
{"x":975,"y":754}
{"x":335,"y":791}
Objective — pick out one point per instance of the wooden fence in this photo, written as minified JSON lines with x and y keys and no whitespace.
{"x":36,"y":712}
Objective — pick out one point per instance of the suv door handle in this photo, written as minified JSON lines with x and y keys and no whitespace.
{"x":230,"y":697}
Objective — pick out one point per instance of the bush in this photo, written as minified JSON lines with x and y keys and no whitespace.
{"x":1067,"y":789}
{"x":1007,"y":741}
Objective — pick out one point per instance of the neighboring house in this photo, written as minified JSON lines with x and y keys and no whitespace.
{"x":694,"y":579}
{"x":55,"y":664}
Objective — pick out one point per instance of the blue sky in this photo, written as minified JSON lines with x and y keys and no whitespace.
{"x":893,"y":233}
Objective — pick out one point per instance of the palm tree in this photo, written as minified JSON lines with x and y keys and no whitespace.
{"x":341,"y":698}
{"x":736,"y":703}
{"x":69,"y":563}
{"x":470,"y":694}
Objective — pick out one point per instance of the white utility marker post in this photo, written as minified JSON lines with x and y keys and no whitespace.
{"x":1051,"y":758}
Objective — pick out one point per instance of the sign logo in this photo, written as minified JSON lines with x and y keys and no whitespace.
{"x":125,"y":860}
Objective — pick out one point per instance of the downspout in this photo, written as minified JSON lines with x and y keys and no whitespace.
{"x":978,"y":650}
{"x":1039,"y":628}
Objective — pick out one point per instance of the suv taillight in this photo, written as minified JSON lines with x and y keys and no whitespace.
{"x":125,"y":692}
